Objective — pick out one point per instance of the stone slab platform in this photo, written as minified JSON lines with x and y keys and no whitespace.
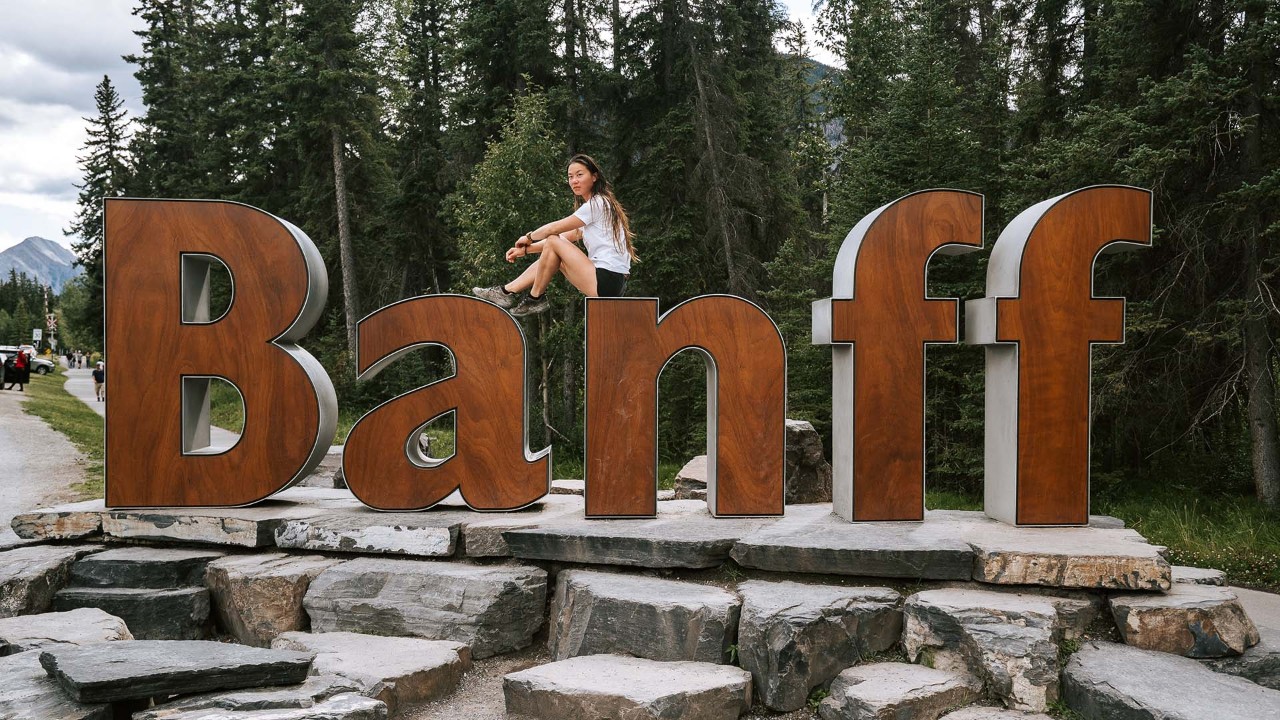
{"x":947,"y":545}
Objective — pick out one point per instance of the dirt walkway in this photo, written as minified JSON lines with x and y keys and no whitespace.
{"x":38,"y":465}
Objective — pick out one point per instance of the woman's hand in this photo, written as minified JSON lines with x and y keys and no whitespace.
{"x":524,"y":241}
{"x":516,"y":252}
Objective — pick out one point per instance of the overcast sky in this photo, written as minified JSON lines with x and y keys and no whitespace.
{"x":52,"y":55}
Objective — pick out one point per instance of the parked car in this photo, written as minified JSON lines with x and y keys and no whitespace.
{"x":39,"y":365}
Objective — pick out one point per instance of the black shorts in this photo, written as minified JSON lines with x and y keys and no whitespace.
{"x":610,"y":283}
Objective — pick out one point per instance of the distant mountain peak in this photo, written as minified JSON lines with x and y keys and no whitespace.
{"x":42,"y":259}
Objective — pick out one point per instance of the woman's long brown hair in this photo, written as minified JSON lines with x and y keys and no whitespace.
{"x":617,"y":216}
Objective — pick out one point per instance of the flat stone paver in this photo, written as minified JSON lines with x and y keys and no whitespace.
{"x":398,"y":671}
{"x":810,"y":539}
{"x":1109,"y":681}
{"x":28,"y":693}
{"x":346,"y":706}
{"x":892,"y":691}
{"x":484,"y":534}
{"x":143,"y":567}
{"x":615,"y":686}
{"x":316,"y":689}
{"x":149,"y":668}
{"x":683,"y":535}
{"x":1070,"y":557}
{"x":75,"y":627}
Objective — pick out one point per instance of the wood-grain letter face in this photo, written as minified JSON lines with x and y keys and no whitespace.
{"x":878,"y":322}
{"x":1039,"y":322}
{"x":627,"y":348}
{"x":164,"y":347}
{"x":491,"y":464}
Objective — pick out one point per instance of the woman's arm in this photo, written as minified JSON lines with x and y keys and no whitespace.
{"x":569,"y":228}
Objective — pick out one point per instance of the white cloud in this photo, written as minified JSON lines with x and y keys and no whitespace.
{"x":53,"y":53}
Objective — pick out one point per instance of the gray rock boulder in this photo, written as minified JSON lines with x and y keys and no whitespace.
{"x":64,"y":522}
{"x":29,"y":576}
{"x":143,"y":567}
{"x":492,"y":609}
{"x":424,"y":534}
{"x":1199,"y":621}
{"x":1198,"y":576}
{"x":257,"y":597}
{"x":628,"y":688}
{"x":691,"y":480}
{"x":600,"y":613}
{"x":28,"y":693}
{"x":338,"y":707}
{"x":793,"y":638}
{"x":316,"y":689}
{"x":77,"y":627}
{"x":176,"y":614}
{"x":1108,"y":681}
{"x":894,"y":691}
{"x":1070,"y":557}
{"x":808,"y":478}
{"x":140,"y":669}
{"x":1260,"y":663}
{"x":1004,"y":639}
{"x":397,"y":671}
{"x":975,"y":712}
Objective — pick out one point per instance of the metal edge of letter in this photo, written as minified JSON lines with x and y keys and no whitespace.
{"x":713,"y":391}
{"x":1001,"y":363}
{"x":312,"y":308}
{"x":386,"y":360}
{"x":843,"y":282}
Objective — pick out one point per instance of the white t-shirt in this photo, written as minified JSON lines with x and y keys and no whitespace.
{"x":598,"y":237}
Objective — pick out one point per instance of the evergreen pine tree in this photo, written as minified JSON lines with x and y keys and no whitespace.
{"x":105,"y":167}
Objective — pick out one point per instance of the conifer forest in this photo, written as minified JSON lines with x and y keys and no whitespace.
{"x":415,"y":140}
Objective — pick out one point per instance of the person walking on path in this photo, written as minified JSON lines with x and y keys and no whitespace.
{"x":18,"y":371}
{"x":100,"y":382}
{"x":599,"y":221}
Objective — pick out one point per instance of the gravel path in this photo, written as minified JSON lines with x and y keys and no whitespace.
{"x":38,"y":465}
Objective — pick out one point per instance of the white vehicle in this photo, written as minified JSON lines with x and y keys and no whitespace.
{"x":39,"y":365}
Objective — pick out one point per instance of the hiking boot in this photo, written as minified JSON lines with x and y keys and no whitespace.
{"x":530,"y":305}
{"x":497,"y":296}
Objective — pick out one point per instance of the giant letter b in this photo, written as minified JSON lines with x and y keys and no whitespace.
{"x":1039,"y":322}
{"x":163,"y":349}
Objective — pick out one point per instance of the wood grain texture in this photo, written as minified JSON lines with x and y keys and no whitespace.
{"x":151,"y":350}
{"x":491,"y":464}
{"x":627,"y":347}
{"x":889,"y":320}
{"x":1055,"y":320}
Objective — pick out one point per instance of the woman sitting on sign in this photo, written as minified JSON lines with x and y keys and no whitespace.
{"x":598,"y":221}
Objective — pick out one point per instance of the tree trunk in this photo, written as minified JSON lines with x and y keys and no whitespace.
{"x":1263,"y":432}
{"x":1258,"y":346}
{"x":569,"y":386}
{"x":717,"y":203}
{"x":350,"y":299}
{"x":544,"y":360}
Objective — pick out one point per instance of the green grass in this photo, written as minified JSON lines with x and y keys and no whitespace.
{"x":1234,"y":534}
{"x":47,"y":400}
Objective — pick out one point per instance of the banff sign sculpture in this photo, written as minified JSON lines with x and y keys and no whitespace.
{"x":1038,"y":323}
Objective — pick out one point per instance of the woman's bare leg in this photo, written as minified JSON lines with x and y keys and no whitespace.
{"x":525,"y":280}
{"x":560,"y":254}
